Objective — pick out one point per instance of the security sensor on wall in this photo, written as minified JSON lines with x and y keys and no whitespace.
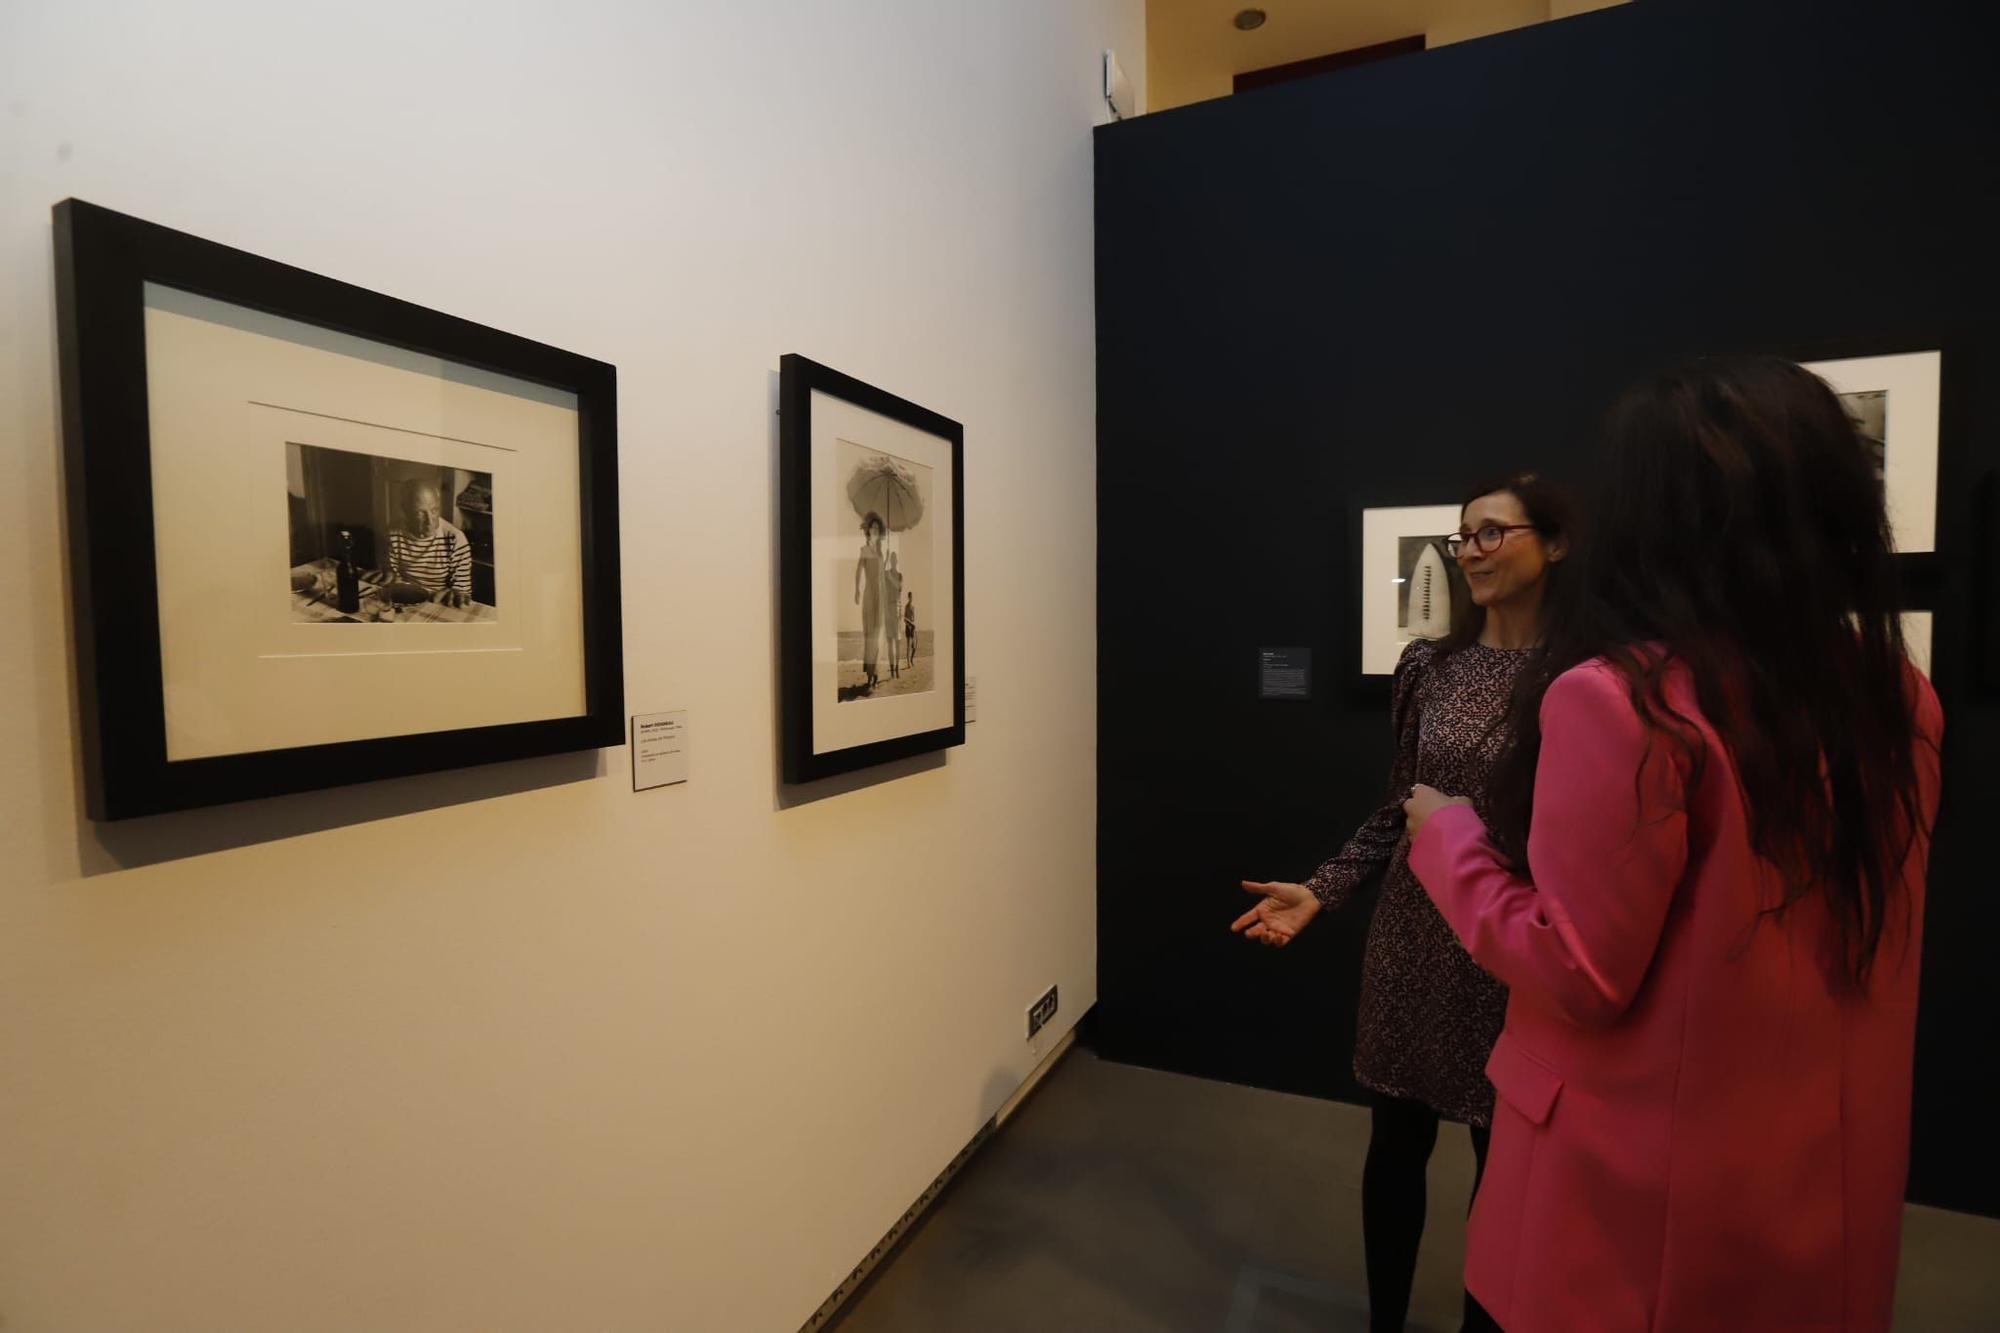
{"x":1117,"y":88}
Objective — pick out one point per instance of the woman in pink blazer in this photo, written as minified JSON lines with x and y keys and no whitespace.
{"x":1707,"y":899}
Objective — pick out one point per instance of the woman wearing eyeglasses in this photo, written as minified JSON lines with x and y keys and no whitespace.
{"x":1429,"y":1014}
{"x":1702,"y":875}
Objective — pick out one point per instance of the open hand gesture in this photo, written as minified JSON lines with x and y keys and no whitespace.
{"x":1282,"y":911}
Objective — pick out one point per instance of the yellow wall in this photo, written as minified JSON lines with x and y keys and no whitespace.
{"x":1193,"y":53}
{"x":1462,"y":22}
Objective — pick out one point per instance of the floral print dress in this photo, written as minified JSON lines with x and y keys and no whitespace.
{"x":1429,"y":1015}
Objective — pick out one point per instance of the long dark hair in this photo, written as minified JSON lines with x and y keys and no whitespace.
{"x":1549,"y":507}
{"x":1738,"y":532}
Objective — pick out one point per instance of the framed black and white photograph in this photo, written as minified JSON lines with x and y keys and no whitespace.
{"x":872,"y":578}
{"x":440,"y":498}
{"x":378,"y":539}
{"x":1894,"y":404}
{"x":1409,"y":586}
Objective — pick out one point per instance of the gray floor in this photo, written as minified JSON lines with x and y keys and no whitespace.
{"x":1122,"y":1199}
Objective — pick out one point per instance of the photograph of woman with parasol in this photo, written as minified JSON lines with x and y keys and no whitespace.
{"x":888,"y":496}
{"x":871,"y":501}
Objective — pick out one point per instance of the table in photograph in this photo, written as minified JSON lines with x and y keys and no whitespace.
{"x":319,"y":605}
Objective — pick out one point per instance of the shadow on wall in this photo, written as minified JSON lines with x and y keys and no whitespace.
{"x":805,"y":793}
{"x":129,"y":843}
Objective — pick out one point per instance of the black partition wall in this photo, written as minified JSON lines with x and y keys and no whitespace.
{"x":1376,"y":287}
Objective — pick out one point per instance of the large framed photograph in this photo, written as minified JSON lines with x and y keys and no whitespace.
{"x":1409,"y":586}
{"x":438,"y":498}
{"x":1894,"y":404}
{"x":873,"y":574}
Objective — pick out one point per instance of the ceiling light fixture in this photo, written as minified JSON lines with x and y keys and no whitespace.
{"x":1247,"y":20}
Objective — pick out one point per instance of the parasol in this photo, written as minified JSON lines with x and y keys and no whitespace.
{"x":886,"y":486}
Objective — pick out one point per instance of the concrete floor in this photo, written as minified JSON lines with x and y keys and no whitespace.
{"x":1125,"y":1200}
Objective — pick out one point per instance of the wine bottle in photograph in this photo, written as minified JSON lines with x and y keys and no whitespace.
{"x":347,"y":578}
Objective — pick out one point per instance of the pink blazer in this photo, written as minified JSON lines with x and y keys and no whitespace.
{"x":1693,"y":1131}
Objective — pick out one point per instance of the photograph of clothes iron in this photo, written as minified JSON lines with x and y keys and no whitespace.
{"x":1408,"y":584}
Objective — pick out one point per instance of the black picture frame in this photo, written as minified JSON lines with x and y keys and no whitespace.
{"x":799,"y":378}
{"x":103,"y":259}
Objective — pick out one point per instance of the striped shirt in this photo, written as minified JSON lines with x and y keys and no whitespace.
{"x":438,"y":562}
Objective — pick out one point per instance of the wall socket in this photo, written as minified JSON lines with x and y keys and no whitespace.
{"x":1041,"y":1011}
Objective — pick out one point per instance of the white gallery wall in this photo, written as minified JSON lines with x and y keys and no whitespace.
{"x":516,"y":1048}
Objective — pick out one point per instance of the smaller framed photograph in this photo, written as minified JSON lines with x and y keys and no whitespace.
{"x":872,"y":574}
{"x":1894,"y":402}
{"x":1409,"y":586}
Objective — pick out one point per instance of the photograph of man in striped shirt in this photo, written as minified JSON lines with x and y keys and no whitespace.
{"x":428,"y":551}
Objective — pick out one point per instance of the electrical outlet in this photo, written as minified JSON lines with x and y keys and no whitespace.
{"x":1041,"y":1011}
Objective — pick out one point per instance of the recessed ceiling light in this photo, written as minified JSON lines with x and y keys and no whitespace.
{"x":1247,"y":19}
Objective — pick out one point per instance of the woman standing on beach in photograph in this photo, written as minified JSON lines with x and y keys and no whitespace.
{"x":1429,"y":1015}
{"x":868,"y":592}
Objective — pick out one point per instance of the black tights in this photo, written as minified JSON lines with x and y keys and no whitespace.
{"x":1392,"y":1209}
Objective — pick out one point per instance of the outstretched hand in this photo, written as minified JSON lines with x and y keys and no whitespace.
{"x":1283,"y":910}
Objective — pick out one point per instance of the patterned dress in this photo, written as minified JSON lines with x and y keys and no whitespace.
{"x":1429,"y":1015}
